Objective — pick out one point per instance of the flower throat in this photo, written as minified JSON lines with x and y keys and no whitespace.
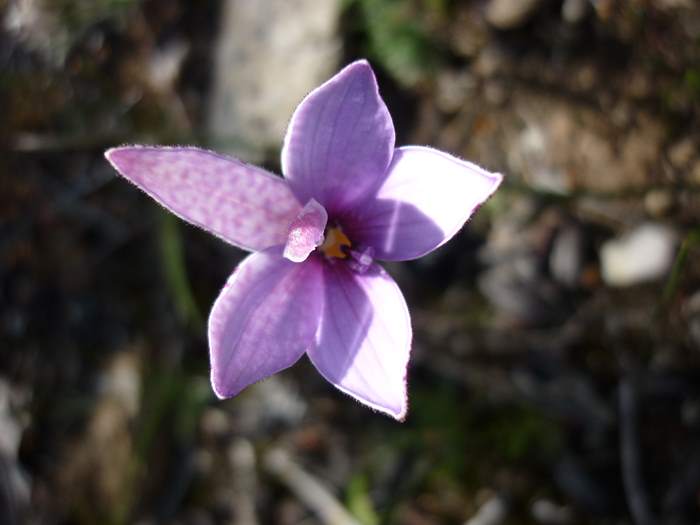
{"x":336,"y":243}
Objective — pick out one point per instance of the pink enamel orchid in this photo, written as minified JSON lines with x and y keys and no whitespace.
{"x":348,"y":198}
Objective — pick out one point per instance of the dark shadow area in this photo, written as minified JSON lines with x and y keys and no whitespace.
{"x":389,"y":225}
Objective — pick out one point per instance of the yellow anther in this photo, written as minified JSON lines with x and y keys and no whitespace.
{"x":333,"y":243}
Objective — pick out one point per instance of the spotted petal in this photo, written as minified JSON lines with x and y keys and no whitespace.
{"x":364,"y":339}
{"x":263,"y":320}
{"x":242,"y":204}
{"x":340,"y":140}
{"x":426,"y":198}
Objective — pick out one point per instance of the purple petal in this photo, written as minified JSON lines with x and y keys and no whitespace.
{"x":340,"y":140}
{"x":306,"y":232}
{"x":426,"y":199}
{"x":242,"y":204}
{"x":263,"y":320}
{"x":364,"y":339}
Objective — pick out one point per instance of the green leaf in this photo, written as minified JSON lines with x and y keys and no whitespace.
{"x":173,"y":260}
{"x":359,"y":502}
{"x":398,"y":40}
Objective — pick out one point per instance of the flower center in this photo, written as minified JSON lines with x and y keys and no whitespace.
{"x":336,"y":243}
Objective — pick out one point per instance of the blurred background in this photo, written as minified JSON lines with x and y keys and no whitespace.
{"x":555,"y":372}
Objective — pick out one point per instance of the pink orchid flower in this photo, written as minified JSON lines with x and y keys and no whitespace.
{"x":312,"y":285}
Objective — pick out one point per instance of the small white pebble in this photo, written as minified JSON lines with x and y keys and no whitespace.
{"x":645,"y":254}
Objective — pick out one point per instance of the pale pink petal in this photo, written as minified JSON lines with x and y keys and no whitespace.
{"x":425,"y":200}
{"x":263,"y":320}
{"x":306,"y":232}
{"x":242,"y":204}
{"x":340,"y":140}
{"x":364,"y":339}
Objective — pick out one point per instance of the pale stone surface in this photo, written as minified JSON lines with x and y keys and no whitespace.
{"x":559,"y":147}
{"x":549,"y":513}
{"x":694,"y":173}
{"x":454,"y":89}
{"x":508,"y":14}
{"x":573,"y":11}
{"x":658,"y":202}
{"x":270,"y":54}
{"x":566,"y":256}
{"x":682,"y":152}
{"x":493,"y":512}
{"x":645,"y":254}
{"x":37,"y":27}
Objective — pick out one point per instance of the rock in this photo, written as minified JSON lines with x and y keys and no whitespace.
{"x":122,"y":381}
{"x":10,"y":422}
{"x":15,"y":489}
{"x":518,"y":291}
{"x":573,"y":11}
{"x":509,"y":14}
{"x":98,"y":464}
{"x":42,"y":25}
{"x":493,"y":512}
{"x":658,"y":202}
{"x":469,"y":33}
{"x":639,"y":84}
{"x":549,"y":513}
{"x":681,"y":153}
{"x":560,"y":147}
{"x":38,"y":28}
{"x":242,"y":462}
{"x":621,"y":114}
{"x":694,"y":173}
{"x":164,"y":65}
{"x":507,"y":236}
{"x":566,"y":256}
{"x":532,"y":157}
{"x":641,"y":147}
{"x":490,"y":61}
{"x":585,"y":77}
{"x":268,"y":57}
{"x":273,"y":403}
{"x":645,"y":254}
{"x":453,"y":90}
{"x":674,"y":4}
{"x":495,"y":92}
{"x":516,"y":281}
{"x":215,"y":422}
